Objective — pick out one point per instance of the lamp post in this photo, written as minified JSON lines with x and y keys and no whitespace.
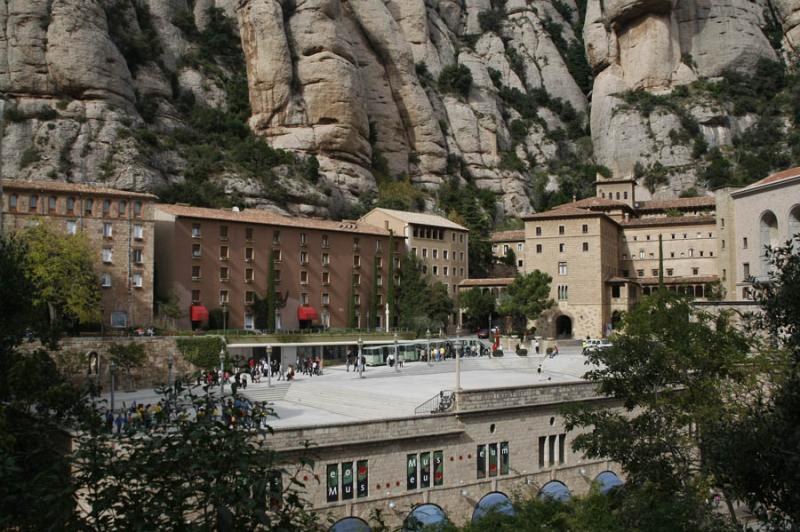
{"x":428,"y":339}
{"x":113,"y":383}
{"x":269,"y":366}
{"x":359,"y":365}
{"x":396,"y":355}
{"x":222,"y":371}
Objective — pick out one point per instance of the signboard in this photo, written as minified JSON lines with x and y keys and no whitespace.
{"x":425,"y":470}
{"x":347,"y":480}
{"x":362,"y":478}
{"x":411,"y":472}
{"x":492,"y":459}
{"x":504,"y":458}
{"x":438,"y":468}
{"x":481,"y":455}
{"x":332,"y":482}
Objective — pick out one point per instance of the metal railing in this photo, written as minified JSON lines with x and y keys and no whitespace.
{"x":440,"y":403}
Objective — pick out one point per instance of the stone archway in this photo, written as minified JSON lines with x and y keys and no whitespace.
{"x":563,"y":326}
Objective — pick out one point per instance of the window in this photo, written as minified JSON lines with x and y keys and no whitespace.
{"x":70,"y":204}
{"x":326,"y":277}
{"x":51,"y":204}
{"x":655,"y":272}
{"x":445,"y":271}
{"x":538,"y":248}
{"x":647,"y":237}
{"x":196,"y":251}
{"x":563,"y":292}
{"x":137,"y":256}
{"x":196,"y":231}
{"x":277,"y":276}
{"x":248,"y":275}
{"x":248,"y":254}
{"x":723,"y":244}
{"x":137,"y":280}
{"x":641,"y":253}
{"x":701,"y":253}
{"x":542,"y":448}
{"x":356,"y":240}
{"x":505,"y":249}
{"x":519,"y":248}
{"x":303,"y":239}
{"x":33,"y":203}
{"x":107,"y":230}
{"x":223,"y":253}
{"x":461,"y":256}
{"x":326,"y":298}
{"x":278,"y":255}
{"x":670,"y":272}
{"x":414,"y":251}
{"x":615,"y":291}
{"x":625,"y":195}
{"x":224,"y":273}
{"x":435,"y":253}
{"x":195,"y":272}
{"x":378,"y":246}
{"x":138,"y":231}
{"x":435,"y":270}
{"x":248,"y":233}
{"x":326,"y":259}
{"x":625,"y":273}
{"x":304,"y":299}
{"x":379,"y":279}
{"x":105,"y":280}
{"x":519,"y":263}
{"x":223,"y":297}
{"x":137,"y":208}
{"x":640,"y":273}
{"x":691,"y":252}
{"x":223,"y":232}
{"x":744,"y":243}
{"x":303,"y":277}
{"x":361,"y":475}
{"x":444,"y":254}
{"x":562,"y":268}
{"x":324,"y":241}
{"x":424,"y":253}
{"x":249,"y":322}
{"x":461,"y":238}
{"x":379,"y":262}
{"x":122,"y":208}
{"x":356,"y":260}
{"x":72,"y":227}
{"x":276,"y":237}
{"x":538,"y":231}
{"x":695,"y":271}
{"x":195,"y":296}
{"x":562,"y":248}
{"x":462,"y":272}
{"x":106,"y":207}
{"x":12,"y":202}
{"x":560,"y":229}
{"x":357,"y":279}
{"x":88,"y":207}
{"x":119,"y":319}
{"x":585,"y":246}
{"x":724,"y":274}
{"x":356,"y":299}
{"x":249,"y":297}
{"x":304,"y":257}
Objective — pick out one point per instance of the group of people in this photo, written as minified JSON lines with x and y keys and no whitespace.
{"x":310,"y":366}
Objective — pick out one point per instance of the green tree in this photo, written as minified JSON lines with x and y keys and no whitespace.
{"x":170,"y":308}
{"x":374,"y":311}
{"x":455,"y":79}
{"x":527,"y":297}
{"x":510,"y":258}
{"x":270,"y":299}
{"x":127,"y":357}
{"x":440,"y":307}
{"x":61,"y":269}
{"x":672,"y":367}
{"x":478,"y":305}
{"x":421,"y":303}
{"x":391,"y":296}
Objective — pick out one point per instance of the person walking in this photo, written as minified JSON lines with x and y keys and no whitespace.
{"x":536,"y":345}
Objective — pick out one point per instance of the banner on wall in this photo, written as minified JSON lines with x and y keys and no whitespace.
{"x":438,"y":468}
{"x":347,"y":480}
{"x":504,"y":458}
{"x":332,"y":480}
{"x":362,"y":478}
{"x":411,"y":471}
{"x":492,"y":459}
{"x":425,"y":470}
{"x":481,"y":455}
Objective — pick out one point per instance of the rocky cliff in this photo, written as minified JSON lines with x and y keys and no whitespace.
{"x":327,"y":106}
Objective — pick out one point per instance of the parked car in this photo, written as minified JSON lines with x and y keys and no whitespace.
{"x":483,"y":333}
{"x":595,"y":344}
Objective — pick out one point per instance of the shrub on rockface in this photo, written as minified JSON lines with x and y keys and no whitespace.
{"x":456,"y":80}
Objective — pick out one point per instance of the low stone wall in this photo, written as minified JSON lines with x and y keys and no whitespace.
{"x":519,"y":396}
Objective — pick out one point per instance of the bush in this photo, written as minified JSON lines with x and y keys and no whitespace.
{"x":455,"y":79}
{"x":29,"y":157}
{"x":519,"y":130}
{"x":202,"y":352}
{"x":139,"y":47}
{"x":491,"y":20}
{"x":496,"y":77}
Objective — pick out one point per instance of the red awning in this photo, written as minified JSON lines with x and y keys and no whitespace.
{"x":307,"y":313}
{"x":199,"y":313}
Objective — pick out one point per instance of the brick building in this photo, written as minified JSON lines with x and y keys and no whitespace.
{"x":118,"y":225}
{"x":212,"y":258}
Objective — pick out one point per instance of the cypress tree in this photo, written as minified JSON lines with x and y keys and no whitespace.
{"x":272,"y":303}
{"x":390,"y":295}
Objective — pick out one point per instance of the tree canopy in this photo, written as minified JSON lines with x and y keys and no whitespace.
{"x":421,"y":303}
{"x":527,"y":297}
{"x":478,"y":305}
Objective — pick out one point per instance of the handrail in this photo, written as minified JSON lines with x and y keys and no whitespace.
{"x":438,"y":404}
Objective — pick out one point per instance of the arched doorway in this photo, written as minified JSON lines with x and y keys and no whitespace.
{"x":555,"y":491}
{"x":426,"y":517}
{"x":768,"y":229}
{"x":563,"y":326}
{"x":794,"y":221}
{"x":494,"y":502}
{"x":607,"y":481}
{"x":350,"y":524}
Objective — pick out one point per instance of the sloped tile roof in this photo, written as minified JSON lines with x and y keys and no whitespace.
{"x":421,"y":218}
{"x":507,"y":236}
{"x":76,"y":188}
{"x":774,"y":178}
{"x":676,"y":203}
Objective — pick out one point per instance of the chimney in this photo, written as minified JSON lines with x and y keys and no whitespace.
{"x":626,"y":216}
{"x":574,"y":198}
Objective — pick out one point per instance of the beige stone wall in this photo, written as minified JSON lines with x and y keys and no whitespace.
{"x":726,"y":241}
{"x":455,"y":244}
{"x":499,"y":250}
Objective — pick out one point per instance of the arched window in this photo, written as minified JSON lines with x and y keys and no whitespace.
{"x":424,"y":517}
{"x":350,"y":524}
{"x":794,"y":221}
{"x":607,"y":481}
{"x":768,"y":230}
{"x":494,"y":502}
{"x":555,"y":490}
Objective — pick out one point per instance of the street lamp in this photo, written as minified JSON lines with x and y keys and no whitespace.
{"x":428,"y":338}
{"x":359,"y":365}
{"x":222,"y":371}
{"x":113,"y":383}
{"x":396,"y":355}
{"x":269,"y":366}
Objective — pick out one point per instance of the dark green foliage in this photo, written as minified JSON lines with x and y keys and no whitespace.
{"x":491,"y":20}
{"x":516,"y":62}
{"x":137,"y":47}
{"x":146,"y":106}
{"x":509,"y":160}
{"x":718,"y":172}
{"x":422,"y":303}
{"x":478,"y":305}
{"x":202,"y":351}
{"x":573,"y":52}
{"x":563,"y":9}
{"x":527,"y":297}
{"x":29,"y":156}
{"x":653,"y":175}
{"x":455,"y":79}
{"x":690,"y":192}
{"x":209,"y":194}
{"x":519,"y":130}
{"x":496,"y":76}
{"x":423,"y":74}
{"x":311,"y":168}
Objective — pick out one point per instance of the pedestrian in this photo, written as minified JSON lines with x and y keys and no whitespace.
{"x":536,"y":346}
{"x":347,"y":364}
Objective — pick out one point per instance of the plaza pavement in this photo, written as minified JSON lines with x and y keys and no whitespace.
{"x":339,"y":396}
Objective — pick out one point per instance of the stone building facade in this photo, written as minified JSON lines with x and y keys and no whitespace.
{"x":503,"y":241}
{"x":441,"y":244}
{"x":216,"y":258}
{"x":508,"y":440}
{"x":118,"y":226}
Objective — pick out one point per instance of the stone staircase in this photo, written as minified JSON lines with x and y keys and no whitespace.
{"x":262,"y":392}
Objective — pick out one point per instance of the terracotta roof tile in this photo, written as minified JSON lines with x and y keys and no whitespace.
{"x":497,"y":281}
{"x":699,"y":279}
{"x":597,"y":203}
{"x":77,"y":188}
{"x":257,"y":216}
{"x":564,"y":211}
{"x":421,"y":218}
{"x":676,"y":203}
{"x":668,"y":220}
{"x":506,"y":236}
{"x":774,"y":178}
